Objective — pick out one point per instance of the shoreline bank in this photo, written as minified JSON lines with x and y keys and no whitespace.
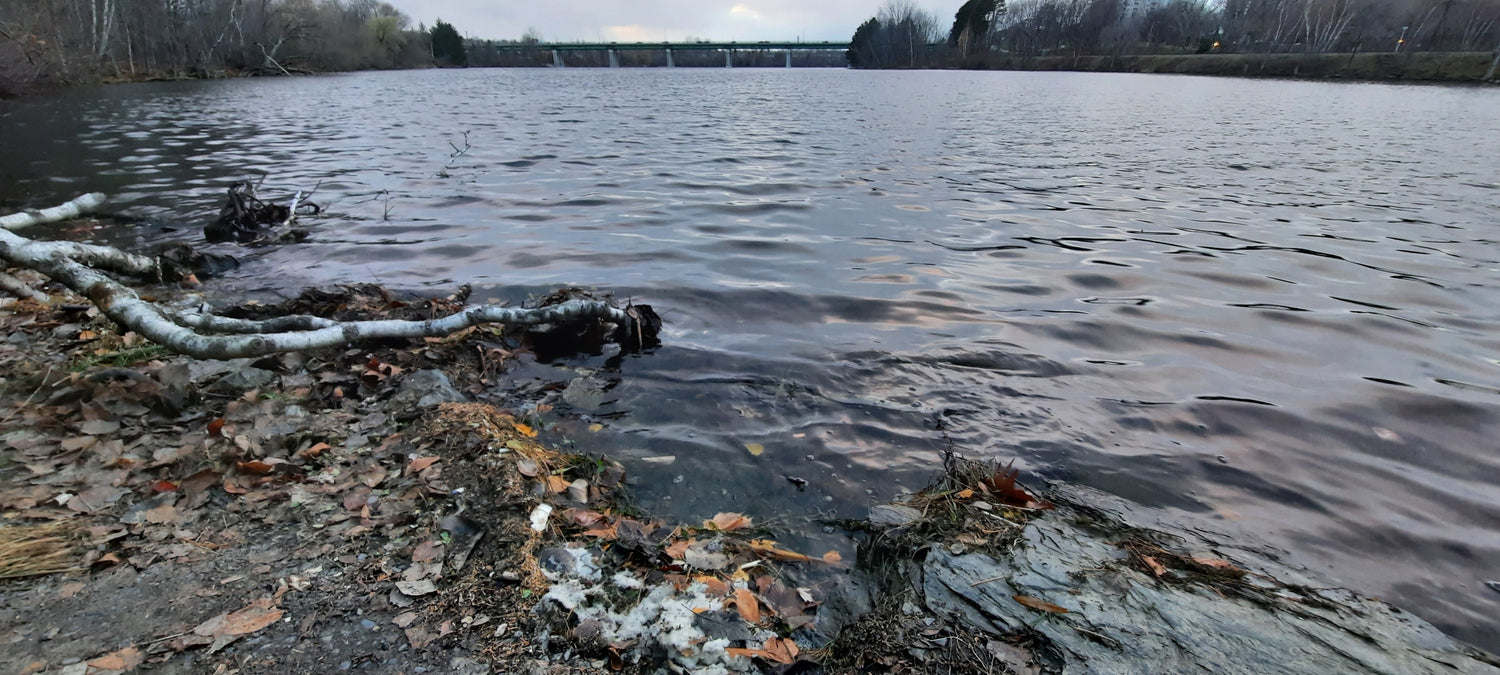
{"x":1450,"y":67}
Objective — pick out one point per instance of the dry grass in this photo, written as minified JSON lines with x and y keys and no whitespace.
{"x":36,"y":550}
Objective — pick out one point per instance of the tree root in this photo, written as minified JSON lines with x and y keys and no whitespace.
{"x":82,"y":267}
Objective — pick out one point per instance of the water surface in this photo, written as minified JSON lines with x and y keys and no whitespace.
{"x":1266,"y":306}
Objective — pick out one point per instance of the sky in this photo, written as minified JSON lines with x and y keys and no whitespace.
{"x":658,"y":20}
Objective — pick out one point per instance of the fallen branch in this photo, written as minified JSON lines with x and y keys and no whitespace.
{"x":19,"y":288}
{"x":82,"y":267}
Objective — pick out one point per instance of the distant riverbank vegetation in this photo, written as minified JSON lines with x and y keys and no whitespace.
{"x":59,"y":42}
{"x":1373,"y":39}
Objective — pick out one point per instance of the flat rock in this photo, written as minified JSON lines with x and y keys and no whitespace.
{"x":1120,"y":620}
{"x":427,"y":388}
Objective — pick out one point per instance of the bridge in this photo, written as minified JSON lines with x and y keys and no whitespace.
{"x":614,"y":49}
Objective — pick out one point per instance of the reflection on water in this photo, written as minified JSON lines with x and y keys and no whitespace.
{"x":1267,"y":305}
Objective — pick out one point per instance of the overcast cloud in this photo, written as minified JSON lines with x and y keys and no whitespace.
{"x":674,"y":20}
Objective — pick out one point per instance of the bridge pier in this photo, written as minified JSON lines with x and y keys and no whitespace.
{"x":614,"y":59}
{"x":789,"y":58}
{"x":557,"y":61}
{"x":729,"y":58}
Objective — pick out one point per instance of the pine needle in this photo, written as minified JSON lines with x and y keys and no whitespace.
{"x":35,"y":550}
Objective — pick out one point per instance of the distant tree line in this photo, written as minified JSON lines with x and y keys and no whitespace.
{"x":897,"y":35}
{"x":68,"y":41}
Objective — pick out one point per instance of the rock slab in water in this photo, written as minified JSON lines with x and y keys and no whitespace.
{"x":1122,"y":621}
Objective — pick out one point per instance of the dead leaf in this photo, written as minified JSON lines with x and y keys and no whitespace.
{"x":596,"y":428}
{"x":313,"y":451}
{"x":1221,"y":566}
{"x":728,"y":522}
{"x":124,"y":659}
{"x":1039,"y":604}
{"x":161,"y":515}
{"x":427,"y":550}
{"x":99,"y":427}
{"x":833,"y":557}
{"x":557,"y":484}
{"x":767,"y":549}
{"x":163,"y":486}
{"x":216,"y":427}
{"x":677,"y":549}
{"x":781,"y":650}
{"x":746,"y":604}
{"x":1003,"y":483}
{"x":965,"y":494}
{"x":755,"y":449}
{"x":525,"y":430}
{"x":416,"y":588}
{"x":255,"y":467}
{"x":420,"y":463}
{"x":249,"y":619}
{"x":529,"y":468}
{"x":1156,"y":568}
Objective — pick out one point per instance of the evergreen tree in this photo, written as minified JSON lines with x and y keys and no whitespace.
{"x":448,"y":45}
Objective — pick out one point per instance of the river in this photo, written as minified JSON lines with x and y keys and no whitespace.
{"x":1269,"y":308}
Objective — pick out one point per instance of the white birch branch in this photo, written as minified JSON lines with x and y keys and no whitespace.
{"x":20,"y":288}
{"x":78,"y":266}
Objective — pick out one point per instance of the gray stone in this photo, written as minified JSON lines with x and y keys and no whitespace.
{"x":427,"y":388}
{"x":1122,"y":621}
{"x":893,"y":515}
{"x":241,"y":381}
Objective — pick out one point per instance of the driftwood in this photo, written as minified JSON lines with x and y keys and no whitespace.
{"x":245,"y":218}
{"x":86,"y":269}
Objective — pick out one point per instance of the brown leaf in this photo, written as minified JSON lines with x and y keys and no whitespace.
{"x":161,"y":515}
{"x":249,"y":619}
{"x":1039,"y":604}
{"x":584,"y":518}
{"x":965,"y":494}
{"x":714,"y":586}
{"x":1221,"y":566}
{"x":313,"y":451}
{"x":728,"y":522}
{"x":124,"y":659}
{"x":163,"y":486}
{"x":557,"y":484}
{"x":1156,"y":568}
{"x":748,"y":607}
{"x":216,"y":427}
{"x":1003,"y":483}
{"x":426,"y":551}
{"x":833,"y":557}
{"x":420,"y":463}
{"x":525,"y":430}
{"x":781,"y":650}
{"x":767,"y":549}
{"x":678,"y":549}
{"x":255,"y":467}
{"x":529,"y":468}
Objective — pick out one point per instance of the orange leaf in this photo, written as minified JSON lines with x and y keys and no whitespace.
{"x":420,"y":463}
{"x":251,"y":618}
{"x":728,"y":522}
{"x":716,"y":586}
{"x":833,"y":557}
{"x":748,"y":606}
{"x":767,"y":548}
{"x":1039,"y":604}
{"x":678,"y":549}
{"x":601,"y":532}
{"x":255,"y":466}
{"x":1156,"y":568}
{"x":315,"y":450}
{"x":124,"y":659}
{"x":781,"y":650}
{"x":87,"y":335}
{"x":163,"y":486}
{"x":557,"y":484}
{"x":965,"y":494}
{"x":525,"y":430}
{"x":216,"y":427}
